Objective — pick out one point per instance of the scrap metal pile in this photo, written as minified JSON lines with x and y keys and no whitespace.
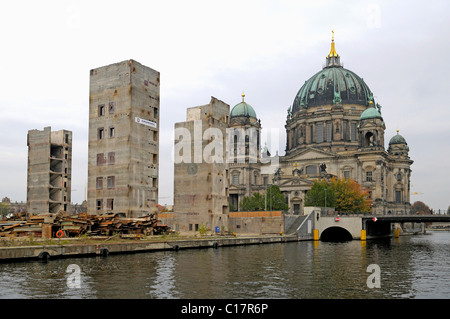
{"x":81,"y":224}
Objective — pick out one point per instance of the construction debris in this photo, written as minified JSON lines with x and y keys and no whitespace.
{"x":48,"y":225}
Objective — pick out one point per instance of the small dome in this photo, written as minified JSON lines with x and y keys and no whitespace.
{"x":370,"y":113}
{"x":398,"y":139}
{"x":243,"y":109}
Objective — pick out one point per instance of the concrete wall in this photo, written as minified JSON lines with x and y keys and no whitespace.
{"x":66,"y":250}
{"x":270,"y":222}
{"x":238,"y":222}
{"x":167,"y":219}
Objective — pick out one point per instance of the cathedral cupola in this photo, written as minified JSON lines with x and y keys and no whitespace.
{"x":246,"y":131}
{"x":243,"y":110}
{"x":398,"y":146}
{"x":333,"y":85}
{"x":371,"y":128}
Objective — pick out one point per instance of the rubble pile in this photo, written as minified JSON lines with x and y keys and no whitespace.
{"x":47,"y":226}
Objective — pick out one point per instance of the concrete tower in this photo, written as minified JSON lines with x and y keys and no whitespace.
{"x":123,"y":139}
{"x":200,"y":169}
{"x":49,"y":171}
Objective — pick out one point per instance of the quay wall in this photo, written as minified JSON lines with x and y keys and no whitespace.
{"x":41,"y":252}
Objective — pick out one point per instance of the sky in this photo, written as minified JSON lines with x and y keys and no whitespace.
{"x":264,"y":48}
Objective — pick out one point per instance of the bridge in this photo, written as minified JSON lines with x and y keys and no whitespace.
{"x":318,"y":225}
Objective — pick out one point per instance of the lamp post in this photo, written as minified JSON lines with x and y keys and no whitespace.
{"x":265,"y":199}
{"x":325,"y":198}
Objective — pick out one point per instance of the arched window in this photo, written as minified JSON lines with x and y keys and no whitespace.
{"x":398,"y":196}
{"x":236,"y":179}
{"x":311,"y":170}
{"x":319,"y":133}
{"x":369,"y":139}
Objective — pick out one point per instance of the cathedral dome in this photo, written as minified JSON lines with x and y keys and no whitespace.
{"x":370,"y":113}
{"x":243,"y":109}
{"x":333,"y":84}
{"x":398,"y":139}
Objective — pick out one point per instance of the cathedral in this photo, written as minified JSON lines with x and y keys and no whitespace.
{"x":334,"y":128}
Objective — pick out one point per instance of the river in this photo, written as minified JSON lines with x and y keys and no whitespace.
{"x":397,"y":268}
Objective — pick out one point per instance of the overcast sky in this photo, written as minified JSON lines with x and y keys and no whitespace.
{"x":220,"y":48}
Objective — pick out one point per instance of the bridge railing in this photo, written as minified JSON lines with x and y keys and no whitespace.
{"x":331,"y":212}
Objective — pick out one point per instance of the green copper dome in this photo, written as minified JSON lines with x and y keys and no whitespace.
{"x":370,"y":113}
{"x":398,"y":139}
{"x":332,"y":85}
{"x":243,"y":109}
{"x":332,"y":82}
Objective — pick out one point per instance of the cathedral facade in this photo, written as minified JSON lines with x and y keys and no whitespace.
{"x":334,"y":128}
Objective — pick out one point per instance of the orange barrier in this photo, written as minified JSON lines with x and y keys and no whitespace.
{"x":255,"y":214}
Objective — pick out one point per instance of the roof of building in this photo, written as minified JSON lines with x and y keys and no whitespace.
{"x":371,"y":113}
{"x":398,"y":139}
{"x":243,"y":109}
{"x":333,"y":84}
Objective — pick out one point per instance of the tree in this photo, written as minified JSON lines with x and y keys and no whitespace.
{"x":275,"y":200}
{"x":272,"y":199}
{"x":344,"y":195}
{"x":420,"y":208}
{"x":253,"y":203}
{"x":321,"y":194}
{"x":4,"y":209}
{"x":350,"y":196}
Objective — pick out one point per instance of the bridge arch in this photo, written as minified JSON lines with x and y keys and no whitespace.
{"x":336,"y":233}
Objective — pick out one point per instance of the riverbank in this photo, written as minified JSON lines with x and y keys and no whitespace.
{"x":65,"y":248}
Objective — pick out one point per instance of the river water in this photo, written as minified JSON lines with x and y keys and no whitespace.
{"x":407,"y":267}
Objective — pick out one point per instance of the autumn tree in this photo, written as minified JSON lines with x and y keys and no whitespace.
{"x":345,"y":195}
{"x":350,"y":196}
{"x":420,"y":208}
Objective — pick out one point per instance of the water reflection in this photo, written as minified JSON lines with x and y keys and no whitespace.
{"x":164,"y":283}
{"x":410,"y":267}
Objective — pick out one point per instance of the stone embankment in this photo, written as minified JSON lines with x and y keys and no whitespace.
{"x":61,"y":249}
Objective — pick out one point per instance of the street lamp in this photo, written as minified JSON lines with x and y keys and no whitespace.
{"x":325,"y":198}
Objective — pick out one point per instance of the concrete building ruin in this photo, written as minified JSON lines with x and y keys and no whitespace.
{"x":123,"y":139}
{"x":200,"y":179}
{"x":49,"y":171}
